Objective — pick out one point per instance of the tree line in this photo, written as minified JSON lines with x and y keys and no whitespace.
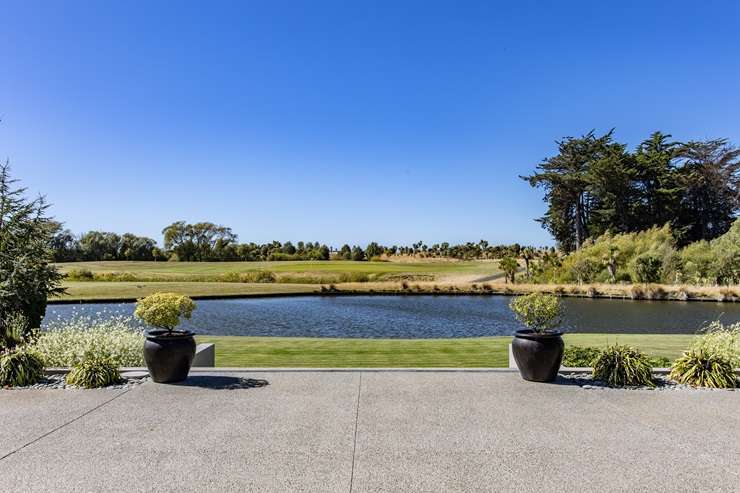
{"x":210,"y":242}
{"x":595,"y":185}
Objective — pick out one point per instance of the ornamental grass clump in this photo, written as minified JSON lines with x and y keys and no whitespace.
{"x":702,"y":368}
{"x":20,"y":367}
{"x":711,"y":359}
{"x":539,"y":312}
{"x":721,"y":340}
{"x":66,"y":343}
{"x":164,"y":310}
{"x":93,"y":372}
{"x":623,"y":366}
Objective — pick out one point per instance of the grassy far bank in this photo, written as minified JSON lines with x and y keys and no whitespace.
{"x":407,"y":353}
{"x":112,"y":280}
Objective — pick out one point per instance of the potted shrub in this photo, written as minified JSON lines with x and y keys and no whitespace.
{"x":168,"y":353}
{"x":538,"y":350}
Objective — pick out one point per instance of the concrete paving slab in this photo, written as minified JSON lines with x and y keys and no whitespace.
{"x":26,"y":415}
{"x":213,"y":434}
{"x":495,"y":432}
{"x":370,"y":431}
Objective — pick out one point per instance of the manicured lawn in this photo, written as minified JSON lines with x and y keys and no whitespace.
{"x":133,"y":290}
{"x":400,"y":353}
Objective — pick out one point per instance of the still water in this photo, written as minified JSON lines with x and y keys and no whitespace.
{"x":420,"y":316}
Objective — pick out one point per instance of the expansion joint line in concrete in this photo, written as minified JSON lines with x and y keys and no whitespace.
{"x":63,"y":425}
{"x":354,"y":443}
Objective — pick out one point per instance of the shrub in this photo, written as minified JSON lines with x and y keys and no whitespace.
{"x":620,"y":365}
{"x":164,"y":310}
{"x":597,"y":260}
{"x":659,"y":361}
{"x":20,"y":367}
{"x":584,"y":270}
{"x":27,"y":276}
{"x":724,"y":341}
{"x":539,"y":312}
{"x":655,"y":292}
{"x":354,"y":277}
{"x":119,"y":277}
{"x":576,"y":356}
{"x":683,"y":294}
{"x":726,"y":294}
{"x":78,"y":274}
{"x":94,"y":372}
{"x":703,"y":368}
{"x":259,"y":276}
{"x":509,"y":266}
{"x":13,"y":330}
{"x":68,"y":343}
{"x":647,"y":267}
{"x":636,"y":293}
{"x":230,"y":277}
{"x":256,"y":276}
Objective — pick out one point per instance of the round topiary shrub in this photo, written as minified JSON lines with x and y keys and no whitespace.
{"x":94,"y":372}
{"x":20,"y":367}
{"x":540,"y":312}
{"x":620,"y":366}
{"x":702,"y":368}
{"x":164,"y":310}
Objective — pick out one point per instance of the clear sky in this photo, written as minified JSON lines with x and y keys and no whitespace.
{"x":340,"y":121}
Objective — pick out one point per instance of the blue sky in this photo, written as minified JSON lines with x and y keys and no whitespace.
{"x":343,"y":121}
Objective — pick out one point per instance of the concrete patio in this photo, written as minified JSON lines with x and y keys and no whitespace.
{"x":368,"y":431}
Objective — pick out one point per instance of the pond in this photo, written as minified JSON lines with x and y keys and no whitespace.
{"x":420,"y":316}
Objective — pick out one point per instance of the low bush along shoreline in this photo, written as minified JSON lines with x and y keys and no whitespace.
{"x":126,"y":290}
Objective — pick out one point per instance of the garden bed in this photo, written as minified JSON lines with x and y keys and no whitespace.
{"x":55,"y":379}
{"x":583,"y":378}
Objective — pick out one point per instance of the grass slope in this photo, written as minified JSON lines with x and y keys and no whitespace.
{"x":406,"y":353}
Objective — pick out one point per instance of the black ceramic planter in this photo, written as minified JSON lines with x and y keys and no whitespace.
{"x":168,"y":355}
{"x":538,"y":354}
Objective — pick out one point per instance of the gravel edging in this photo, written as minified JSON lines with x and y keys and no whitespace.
{"x":57,"y":381}
{"x":662,"y":383}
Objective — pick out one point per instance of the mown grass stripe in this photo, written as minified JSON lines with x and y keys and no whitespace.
{"x":481,"y":352}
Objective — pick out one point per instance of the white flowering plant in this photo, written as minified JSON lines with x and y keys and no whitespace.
{"x":66,"y":343}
